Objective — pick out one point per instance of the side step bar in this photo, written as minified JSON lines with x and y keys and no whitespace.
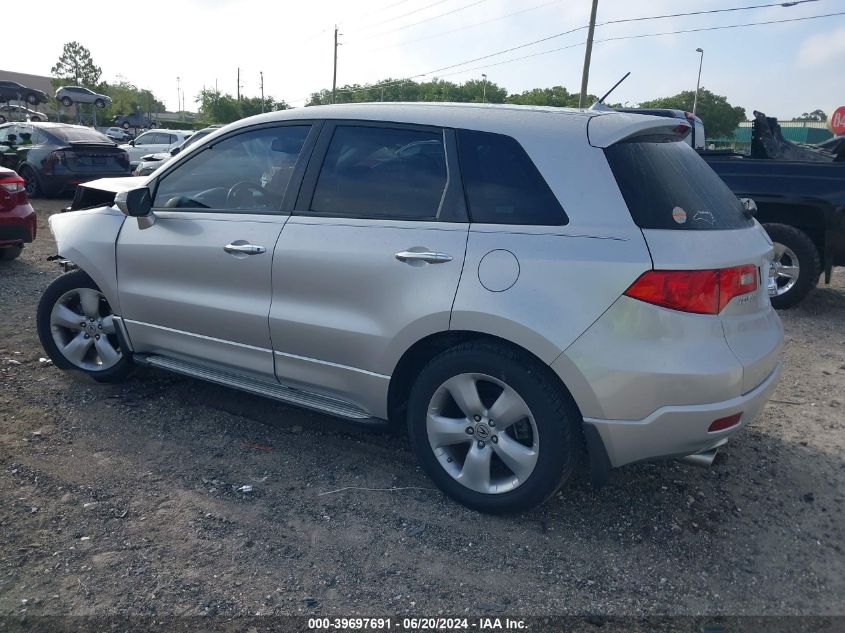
{"x":288,"y":395}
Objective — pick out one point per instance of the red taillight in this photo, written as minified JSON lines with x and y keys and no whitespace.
{"x":12,"y":184}
{"x":725,"y":423}
{"x":697,"y":291}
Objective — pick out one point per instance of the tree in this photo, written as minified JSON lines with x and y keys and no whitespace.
{"x":217,"y":107}
{"x":815,"y":115}
{"x":76,"y":67}
{"x":126,"y":99}
{"x":473,"y":91}
{"x":557,"y":96}
{"x":720,"y":117}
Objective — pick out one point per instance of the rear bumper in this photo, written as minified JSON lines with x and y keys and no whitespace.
{"x":17,"y":226}
{"x":676,"y":431}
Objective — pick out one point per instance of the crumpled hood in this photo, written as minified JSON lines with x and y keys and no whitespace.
{"x":101,"y":193}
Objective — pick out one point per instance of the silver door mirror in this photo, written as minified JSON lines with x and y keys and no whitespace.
{"x":137,"y":203}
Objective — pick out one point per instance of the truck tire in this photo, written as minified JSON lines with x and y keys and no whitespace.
{"x":796,"y":264}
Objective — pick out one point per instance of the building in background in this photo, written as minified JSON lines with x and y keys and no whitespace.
{"x":807,"y":132}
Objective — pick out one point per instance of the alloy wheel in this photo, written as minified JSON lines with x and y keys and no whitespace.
{"x":482,"y":433}
{"x":784,"y":268}
{"x":83,"y":330}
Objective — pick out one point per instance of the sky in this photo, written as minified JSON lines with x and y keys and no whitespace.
{"x":782,"y":69}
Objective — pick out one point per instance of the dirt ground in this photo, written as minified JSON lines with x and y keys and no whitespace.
{"x":123,"y":499}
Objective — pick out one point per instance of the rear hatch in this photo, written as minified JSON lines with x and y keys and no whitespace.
{"x":692,"y":222}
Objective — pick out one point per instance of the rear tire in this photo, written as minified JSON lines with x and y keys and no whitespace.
{"x":77,"y":330}
{"x":100,"y":103}
{"x":32,"y":99}
{"x":796,"y":264}
{"x":8,"y":253}
{"x":67,"y":102}
{"x":538,"y":437}
{"x":126,"y":125}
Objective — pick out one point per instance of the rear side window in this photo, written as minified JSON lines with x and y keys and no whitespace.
{"x":669,"y":186}
{"x":502,"y":184}
{"x":385,"y":173}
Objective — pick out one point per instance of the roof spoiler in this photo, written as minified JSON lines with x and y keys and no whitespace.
{"x":609,"y":129}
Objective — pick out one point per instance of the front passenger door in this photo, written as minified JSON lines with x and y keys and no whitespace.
{"x":196,"y":284}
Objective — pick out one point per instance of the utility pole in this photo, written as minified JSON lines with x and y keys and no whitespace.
{"x":239,"y":84}
{"x":261,"y":73}
{"x":484,"y":89}
{"x":178,"y":92}
{"x":586,"y":75}
{"x":698,"y":83}
{"x":334,"y":73}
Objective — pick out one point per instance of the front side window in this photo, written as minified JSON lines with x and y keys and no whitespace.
{"x":385,"y":173}
{"x":246,"y":172}
{"x":502,"y":183}
{"x":146,"y":139}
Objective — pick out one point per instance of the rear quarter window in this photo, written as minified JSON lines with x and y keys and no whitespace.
{"x":502,"y":184}
{"x":669,"y":186}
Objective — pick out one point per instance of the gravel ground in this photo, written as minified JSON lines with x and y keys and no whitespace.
{"x":124,"y":499}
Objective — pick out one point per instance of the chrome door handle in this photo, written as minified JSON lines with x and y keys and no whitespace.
{"x":425,"y":256}
{"x":246,"y":249}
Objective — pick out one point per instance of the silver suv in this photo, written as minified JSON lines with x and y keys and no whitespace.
{"x":514,"y":284}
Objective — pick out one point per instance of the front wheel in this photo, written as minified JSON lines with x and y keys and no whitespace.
{"x":8,"y":253}
{"x":493,"y":428}
{"x":100,"y":103}
{"x":67,"y":102}
{"x":77,"y":329}
{"x":126,"y":125}
{"x":30,"y":181}
{"x":795,"y":267}
{"x":32,"y":99}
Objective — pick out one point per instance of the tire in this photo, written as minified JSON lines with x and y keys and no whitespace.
{"x":796,"y":264}
{"x":32,"y":99}
{"x":31,"y":182}
{"x":126,"y":125}
{"x":2,"y":119}
{"x":67,"y":102}
{"x":36,"y":119}
{"x":8,"y":253}
{"x":100,"y":103}
{"x":93,"y":349}
{"x":542,"y":419}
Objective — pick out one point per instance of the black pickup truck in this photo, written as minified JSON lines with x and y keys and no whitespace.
{"x":799,"y":194}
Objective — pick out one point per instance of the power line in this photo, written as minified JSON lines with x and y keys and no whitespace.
{"x":709,"y":11}
{"x":468,"y":26}
{"x":434,"y":17}
{"x":404,"y":15}
{"x":719,"y":28}
{"x":644,"y":35}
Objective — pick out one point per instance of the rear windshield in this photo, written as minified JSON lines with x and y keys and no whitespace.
{"x":80,"y":135}
{"x":669,"y":186}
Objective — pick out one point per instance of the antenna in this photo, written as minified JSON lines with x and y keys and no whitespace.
{"x":624,"y":77}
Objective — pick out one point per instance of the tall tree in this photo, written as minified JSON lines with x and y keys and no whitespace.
{"x":720,"y":117}
{"x":217,"y":107}
{"x":76,"y":66}
{"x":815,"y":115}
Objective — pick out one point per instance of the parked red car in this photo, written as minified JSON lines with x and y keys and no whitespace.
{"x":17,"y":217}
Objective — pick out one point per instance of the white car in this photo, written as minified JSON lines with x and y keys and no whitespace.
{"x":68,"y":95}
{"x":153,"y":142}
{"x":118,"y":134}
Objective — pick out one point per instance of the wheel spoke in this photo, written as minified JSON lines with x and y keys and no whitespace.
{"x":108,"y":324}
{"x":518,"y":457}
{"x":108,"y":354}
{"x":507,"y":409}
{"x":476,"y":471}
{"x":77,"y":348}
{"x":64,"y":316}
{"x":443,"y":431}
{"x":90,"y":301}
{"x":788,"y":271}
{"x":465,"y":393}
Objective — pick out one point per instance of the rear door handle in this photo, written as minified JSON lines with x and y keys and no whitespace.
{"x":244,"y":248}
{"x":424,"y":256}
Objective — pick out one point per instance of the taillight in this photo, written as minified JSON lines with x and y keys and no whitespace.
{"x":696,"y":291}
{"x":13,"y":184}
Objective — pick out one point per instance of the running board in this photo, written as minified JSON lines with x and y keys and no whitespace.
{"x":288,"y":395}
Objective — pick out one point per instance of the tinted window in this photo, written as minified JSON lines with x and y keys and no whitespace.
{"x":79,"y":135}
{"x":147,"y":139}
{"x":248,"y":172}
{"x":669,"y":186}
{"x":502,"y":184}
{"x":386,"y":173}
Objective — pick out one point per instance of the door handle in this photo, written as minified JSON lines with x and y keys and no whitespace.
{"x":424,"y":256}
{"x":245,"y":249}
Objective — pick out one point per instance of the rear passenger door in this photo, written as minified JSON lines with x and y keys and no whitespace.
{"x":370,"y":260}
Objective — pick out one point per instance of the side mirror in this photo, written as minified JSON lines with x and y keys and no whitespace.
{"x":132,"y":142}
{"x":174,"y":151}
{"x":136,"y":203}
